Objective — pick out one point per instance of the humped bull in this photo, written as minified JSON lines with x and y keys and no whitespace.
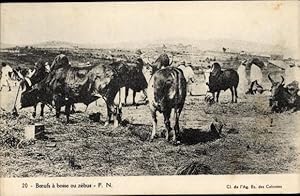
{"x":66,"y":85}
{"x":167,"y":91}
{"x":223,"y":80}
{"x":284,"y":98}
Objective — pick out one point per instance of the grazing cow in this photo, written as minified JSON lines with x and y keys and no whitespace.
{"x":167,"y":91}
{"x":284,"y":98}
{"x":69,"y":85}
{"x":223,"y":80}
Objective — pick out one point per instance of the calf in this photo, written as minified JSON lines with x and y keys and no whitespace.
{"x":223,"y":80}
{"x":167,"y":91}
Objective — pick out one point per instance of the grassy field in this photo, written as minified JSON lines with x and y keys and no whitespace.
{"x":253,"y":141}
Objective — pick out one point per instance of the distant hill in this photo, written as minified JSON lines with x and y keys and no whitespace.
{"x":230,"y":45}
{"x":55,"y":44}
{"x":211,"y":44}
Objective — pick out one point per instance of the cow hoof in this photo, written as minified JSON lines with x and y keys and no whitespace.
{"x":151,"y":138}
{"x":106,"y":124}
{"x":175,"y":143}
{"x":167,"y":137}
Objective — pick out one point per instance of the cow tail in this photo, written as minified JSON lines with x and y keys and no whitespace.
{"x":177,"y":93}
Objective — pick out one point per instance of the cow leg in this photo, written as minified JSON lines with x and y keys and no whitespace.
{"x":42,"y":109}
{"x":57,"y":105}
{"x":176,"y":125}
{"x":213,"y":94}
{"x":126,"y":95}
{"x":34,"y":111}
{"x":109,"y":113}
{"x":167,"y":115}
{"x":73,"y":108}
{"x":218,"y":94}
{"x":117,"y":116}
{"x":236,"y":96}
{"x":67,"y":111}
{"x":232,"y":94}
{"x":57,"y":110}
{"x":133,"y":97}
{"x":154,"y":123}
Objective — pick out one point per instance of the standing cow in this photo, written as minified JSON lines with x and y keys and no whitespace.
{"x":162,"y":61}
{"x":223,"y":80}
{"x":167,"y":91}
{"x":39,"y":73}
{"x":69,"y":85}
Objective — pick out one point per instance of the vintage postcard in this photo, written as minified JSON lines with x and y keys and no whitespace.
{"x":126,"y":98}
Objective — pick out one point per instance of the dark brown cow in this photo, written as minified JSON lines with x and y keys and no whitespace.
{"x":69,"y":85}
{"x":27,"y":83}
{"x":167,"y":91}
{"x":223,"y":80}
{"x":162,"y":61}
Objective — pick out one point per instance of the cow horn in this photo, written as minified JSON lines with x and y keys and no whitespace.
{"x":282,"y":79}
{"x":172,"y":61}
{"x":269,"y":76}
{"x":244,"y":62}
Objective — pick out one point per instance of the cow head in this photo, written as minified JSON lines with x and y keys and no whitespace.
{"x":215,"y":71}
{"x":276,"y":88}
{"x":40,"y":72}
{"x":59,"y":61}
{"x":161,"y":62}
{"x":33,"y":77}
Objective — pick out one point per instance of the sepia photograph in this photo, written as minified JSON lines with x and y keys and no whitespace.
{"x":157,"y":97}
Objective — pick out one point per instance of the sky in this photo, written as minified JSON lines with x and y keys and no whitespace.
{"x":269,"y":22}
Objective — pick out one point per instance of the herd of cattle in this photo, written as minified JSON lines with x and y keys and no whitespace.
{"x":65,"y":85}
